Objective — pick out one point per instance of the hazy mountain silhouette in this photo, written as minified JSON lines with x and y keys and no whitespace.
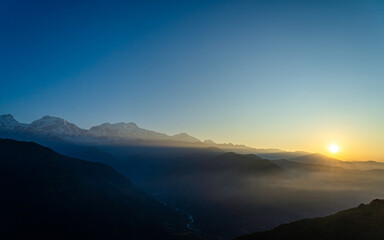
{"x":229,"y":162}
{"x":243,"y":149}
{"x":305,"y":167}
{"x":49,"y":196}
{"x":325,"y":160}
{"x":361,"y":223}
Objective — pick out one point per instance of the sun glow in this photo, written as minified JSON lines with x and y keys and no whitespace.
{"x":333,"y":148}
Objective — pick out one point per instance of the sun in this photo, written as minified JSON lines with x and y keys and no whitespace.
{"x":333,"y":148}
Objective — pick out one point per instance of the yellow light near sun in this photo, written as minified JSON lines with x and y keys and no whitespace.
{"x":333,"y":148}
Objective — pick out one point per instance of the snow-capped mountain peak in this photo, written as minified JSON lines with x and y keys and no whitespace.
{"x":55,"y":126}
{"x":7,"y":121}
{"x":125,"y":130}
{"x":132,"y":131}
{"x":59,"y":127}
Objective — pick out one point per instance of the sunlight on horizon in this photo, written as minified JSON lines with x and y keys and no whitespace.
{"x":333,"y":148}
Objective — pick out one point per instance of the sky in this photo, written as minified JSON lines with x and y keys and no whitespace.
{"x":294,"y":75}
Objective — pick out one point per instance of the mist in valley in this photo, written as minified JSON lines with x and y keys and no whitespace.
{"x":231,"y":194}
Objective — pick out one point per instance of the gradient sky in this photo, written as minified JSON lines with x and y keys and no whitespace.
{"x":295,"y":75}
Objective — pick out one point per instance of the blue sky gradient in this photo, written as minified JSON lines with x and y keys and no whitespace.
{"x":289,"y":74}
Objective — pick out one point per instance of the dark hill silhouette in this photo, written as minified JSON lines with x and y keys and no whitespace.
{"x":361,"y":223}
{"x":45,"y":195}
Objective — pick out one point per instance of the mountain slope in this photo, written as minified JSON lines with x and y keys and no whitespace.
{"x":362,"y":223}
{"x":49,"y":196}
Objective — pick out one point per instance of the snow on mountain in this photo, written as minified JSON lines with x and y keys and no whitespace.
{"x":8,"y":122}
{"x":128,"y":131}
{"x":55,"y":126}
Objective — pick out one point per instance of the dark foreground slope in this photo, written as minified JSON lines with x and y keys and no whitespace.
{"x":362,"y":223}
{"x":45,"y":195}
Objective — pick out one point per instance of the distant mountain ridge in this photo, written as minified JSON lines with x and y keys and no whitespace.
{"x":118,"y":133}
{"x":59,"y":127}
{"x":321,"y":159}
{"x":122,"y":133}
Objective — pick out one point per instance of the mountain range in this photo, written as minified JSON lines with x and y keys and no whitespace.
{"x":58,"y":127}
{"x":118,"y":133}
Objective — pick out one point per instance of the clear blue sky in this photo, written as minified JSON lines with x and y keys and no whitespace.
{"x":263,"y":73}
